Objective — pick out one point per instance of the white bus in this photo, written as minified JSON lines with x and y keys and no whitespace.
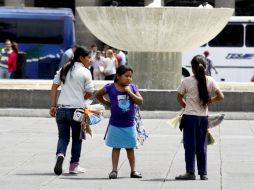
{"x":232,"y":51}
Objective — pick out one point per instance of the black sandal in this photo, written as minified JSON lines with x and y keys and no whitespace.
{"x":113,"y":175}
{"x":136,"y":174}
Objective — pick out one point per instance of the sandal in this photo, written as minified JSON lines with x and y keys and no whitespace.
{"x":136,"y":174}
{"x":113,"y":175}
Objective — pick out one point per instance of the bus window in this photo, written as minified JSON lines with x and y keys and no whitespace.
{"x":249,"y":36}
{"x":230,"y":36}
{"x":40,"y":33}
{"x":29,"y":31}
{"x":7,"y":29}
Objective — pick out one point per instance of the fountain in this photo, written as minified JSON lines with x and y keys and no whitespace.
{"x":155,"y":36}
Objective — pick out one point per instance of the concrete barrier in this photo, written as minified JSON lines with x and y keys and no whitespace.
{"x":164,"y":100}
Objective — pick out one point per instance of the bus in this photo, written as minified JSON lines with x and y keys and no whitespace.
{"x":232,"y":51}
{"x":42,"y":34}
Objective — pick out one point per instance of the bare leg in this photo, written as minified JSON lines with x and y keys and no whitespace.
{"x":131,"y":158}
{"x":115,"y":158}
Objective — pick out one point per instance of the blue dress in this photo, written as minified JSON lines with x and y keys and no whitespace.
{"x":121,"y":132}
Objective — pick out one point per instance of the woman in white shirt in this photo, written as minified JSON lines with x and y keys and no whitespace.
{"x":110,"y":65}
{"x":194,"y":95}
{"x":76,"y":86}
{"x":97,"y":64}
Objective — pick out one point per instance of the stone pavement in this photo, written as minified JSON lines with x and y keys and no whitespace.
{"x":27,"y":158}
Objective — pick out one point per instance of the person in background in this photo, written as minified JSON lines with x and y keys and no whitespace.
{"x":110,"y":65}
{"x":121,"y":132}
{"x":117,"y":56}
{"x":12,"y":60}
{"x":4,"y":54}
{"x":93,"y":50}
{"x":121,"y":54}
{"x":252,"y":78}
{"x":194,"y":95}
{"x":209,"y":64}
{"x":76,"y":87}
{"x":104,"y":51}
{"x":67,"y":56}
{"x":97,"y":63}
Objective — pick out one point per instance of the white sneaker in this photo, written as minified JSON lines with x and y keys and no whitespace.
{"x":76,"y":169}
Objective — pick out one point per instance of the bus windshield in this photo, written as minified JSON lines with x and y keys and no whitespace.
{"x":17,"y":30}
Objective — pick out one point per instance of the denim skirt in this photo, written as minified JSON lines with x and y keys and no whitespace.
{"x":121,"y":137}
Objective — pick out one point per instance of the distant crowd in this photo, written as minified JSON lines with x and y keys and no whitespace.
{"x":103,"y":62}
{"x":8,"y":60}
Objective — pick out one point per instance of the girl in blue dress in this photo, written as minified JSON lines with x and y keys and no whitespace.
{"x":121,"y":133}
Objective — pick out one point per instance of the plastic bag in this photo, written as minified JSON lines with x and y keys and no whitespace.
{"x":210,"y":139}
{"x":213,"y":120}
{"x":92,"y":115}
{"x":175,"y":121}
{"x":142,"y":134}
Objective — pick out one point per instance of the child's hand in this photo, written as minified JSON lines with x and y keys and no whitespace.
{"x":127,"y":88}
{"x":52,"y":111}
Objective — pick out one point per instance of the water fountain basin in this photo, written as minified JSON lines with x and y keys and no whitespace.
{"x":154,"y":29}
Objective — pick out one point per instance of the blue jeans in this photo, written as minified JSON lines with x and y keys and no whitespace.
{"x":4,"y":74}
{"x":65,"y":122}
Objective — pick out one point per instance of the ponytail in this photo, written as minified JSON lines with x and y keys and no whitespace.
{"x":198,"y":67}
{"x":65,"y":69}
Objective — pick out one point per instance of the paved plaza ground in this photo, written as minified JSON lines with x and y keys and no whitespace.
{"x":27,"y":158}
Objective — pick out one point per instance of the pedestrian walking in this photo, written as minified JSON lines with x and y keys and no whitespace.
{"x":67,"y":56}
{"x":195,"y":94}
{"x":76,"y":86}
{"x":209,"y":64}
{"x":121,"y":132}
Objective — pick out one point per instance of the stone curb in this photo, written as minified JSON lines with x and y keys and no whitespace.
{"x":12,"y":112}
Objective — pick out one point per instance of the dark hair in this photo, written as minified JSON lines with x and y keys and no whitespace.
{"x":198,"y":64}
{"x":121,"y":70}
{"x":80,"y":51}
{"x":14,"y":47}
